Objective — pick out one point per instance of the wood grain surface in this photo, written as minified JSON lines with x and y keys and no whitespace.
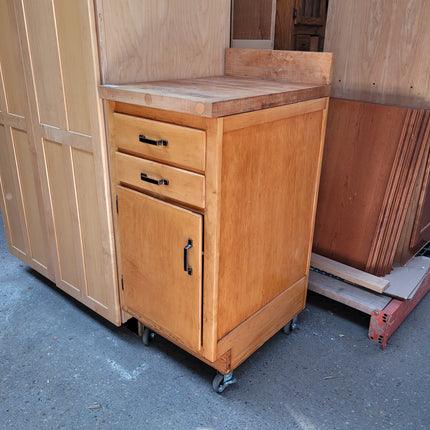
{"x":380,"y":50}
{"x":152,"y":253}
{"x":181,"y":185}
{"x":360,"y":148}
{"x":355,"y":297}
{"x":292,"y":66}
{"x":162,"y":39}
{"x":263,"y":199}
{"x":349,"y":274}
{"x":372,"y":174}
{"x":215,"y":96}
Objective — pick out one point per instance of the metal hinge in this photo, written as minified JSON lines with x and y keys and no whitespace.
{"x":294,"y":13}
{"x":117,"y":205}
{"x":122,"y":282}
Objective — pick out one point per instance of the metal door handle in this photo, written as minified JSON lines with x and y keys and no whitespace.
{"x":145,"y":178}
{"x":186,"y":267}
{"x":160,"y":142}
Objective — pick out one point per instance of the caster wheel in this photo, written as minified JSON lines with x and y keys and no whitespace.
{"x":292,"y":325}
{"x":287,"y":328}
{"x":221,"y":382}
{"x":217,"y":383}
{"x":147,"y":336}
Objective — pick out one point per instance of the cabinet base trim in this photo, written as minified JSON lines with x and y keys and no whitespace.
{"x":257,"y":329}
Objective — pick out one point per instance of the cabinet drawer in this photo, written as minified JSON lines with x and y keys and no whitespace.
{"x":158,"y":178}
{"x":172,"y":144}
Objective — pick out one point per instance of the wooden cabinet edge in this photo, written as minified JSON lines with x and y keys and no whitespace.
{"x":261,"y":326}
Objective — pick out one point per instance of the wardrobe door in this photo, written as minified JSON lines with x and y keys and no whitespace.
{"x":59,"y":49}
{"x":20,"y":191}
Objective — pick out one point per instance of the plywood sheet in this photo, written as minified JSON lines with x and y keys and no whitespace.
{"x":162,"y":39}
{"x":380,"y":50}
{"x":360,"y":148}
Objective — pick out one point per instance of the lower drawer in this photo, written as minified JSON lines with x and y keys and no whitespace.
{"x":160,"y":179}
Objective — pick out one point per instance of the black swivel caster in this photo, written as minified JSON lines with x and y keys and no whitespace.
{"x":147,"y":336}
{"x":292,"y":325}
{"x":221,"y":382}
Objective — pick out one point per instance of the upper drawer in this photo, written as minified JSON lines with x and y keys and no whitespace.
{"x":172,"y":144}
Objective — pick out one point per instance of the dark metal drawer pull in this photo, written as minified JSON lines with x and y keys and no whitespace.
{"x":145,"y":178}
{"x":186,"y":267}
{"x":160,"y":142}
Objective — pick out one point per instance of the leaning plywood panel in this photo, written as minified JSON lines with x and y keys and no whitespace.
{"x":162,"y":39}
{"x":360,"y":149}
{"x":380,"y":50}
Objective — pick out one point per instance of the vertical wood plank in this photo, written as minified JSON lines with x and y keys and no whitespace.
{"x":95,"y":259}
{"x":46,"y":68}
{"x":11,"y":63}
{"x":12,"y":194}
{"x":63,"y":217}
{"x":30,"y":192}
{"x":73,"y":55}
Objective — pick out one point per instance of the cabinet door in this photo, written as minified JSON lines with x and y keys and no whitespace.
{"x":20,"y":191}
{"x":153,"y":238}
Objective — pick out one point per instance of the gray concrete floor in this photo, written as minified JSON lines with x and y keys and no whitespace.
{"x":62,"y":366}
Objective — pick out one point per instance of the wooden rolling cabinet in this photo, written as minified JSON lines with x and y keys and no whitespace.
{"x":216,"y":192}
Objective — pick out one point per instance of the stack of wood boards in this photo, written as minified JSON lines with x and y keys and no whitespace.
{"x":373,"y":203}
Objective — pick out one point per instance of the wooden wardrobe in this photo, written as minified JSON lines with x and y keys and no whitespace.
{"x":54,"y":178}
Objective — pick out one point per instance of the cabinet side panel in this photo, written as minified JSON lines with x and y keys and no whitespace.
{"x":268,"y":185}
{"x":10,"y":61}
{"x":29,"y":181}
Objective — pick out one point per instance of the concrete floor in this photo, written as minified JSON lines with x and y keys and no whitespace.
{"x":62,"y":366}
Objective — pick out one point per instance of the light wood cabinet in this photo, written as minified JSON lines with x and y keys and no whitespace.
{"x":217,"y":265}
{"x":55,"y":196}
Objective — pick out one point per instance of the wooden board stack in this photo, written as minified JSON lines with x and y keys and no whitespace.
{"x":373,"y":205}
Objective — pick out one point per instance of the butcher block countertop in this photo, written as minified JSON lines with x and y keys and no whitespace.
{"x":215,"y":96}
{"x":254,"y":79}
